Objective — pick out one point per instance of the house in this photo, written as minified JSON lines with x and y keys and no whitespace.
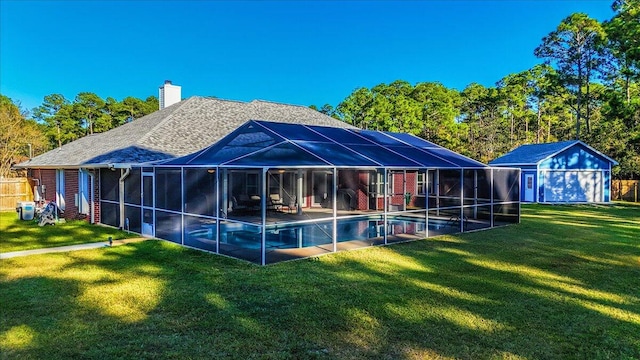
{"x":70,"y":174}
{"x":273,"y":191}
{"x":561,"y":172}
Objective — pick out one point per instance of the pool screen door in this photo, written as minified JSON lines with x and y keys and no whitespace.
{"x":147,"y":205}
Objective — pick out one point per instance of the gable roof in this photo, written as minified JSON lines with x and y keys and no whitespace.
{"x":177,"y":130}
{"x":533,"y":154}
{"x":273,"y":144}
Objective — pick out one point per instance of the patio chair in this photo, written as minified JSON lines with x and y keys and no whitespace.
{"x":236,"y":207}
{"x":275,"y":202}
{"x":244,"y":199}
{"x":292,"y":203}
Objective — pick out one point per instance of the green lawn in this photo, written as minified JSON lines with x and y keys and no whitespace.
{"x":564,"y":284}
{"x":16,"y":235}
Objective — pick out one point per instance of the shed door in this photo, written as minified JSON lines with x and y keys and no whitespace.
{"x":528,"y":187}
{"x":573,"y":186}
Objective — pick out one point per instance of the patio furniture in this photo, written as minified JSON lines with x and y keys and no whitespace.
{"x":236,"y":206}
{"x":292,"y":203}
{"x":275,"y":202}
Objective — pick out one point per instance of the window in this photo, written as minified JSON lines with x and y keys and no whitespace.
{"x":243,"y":182}
{"x":252,"y":184}
{"x":275,"y":179}
{"x":421,"y":184}
{"x":431,"y":187}
{"x":376,"y":183}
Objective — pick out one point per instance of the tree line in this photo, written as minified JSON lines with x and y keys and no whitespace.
{"x":65,"y":121}
{"x":59,"y":121}
{"x":586,"y":87}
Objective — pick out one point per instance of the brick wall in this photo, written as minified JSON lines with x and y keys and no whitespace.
{"x":47,"y":178}
{"x":412,"y":186}
{"x":363,"y":197}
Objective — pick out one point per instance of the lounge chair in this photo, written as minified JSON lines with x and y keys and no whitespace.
{"x":275,"y":202}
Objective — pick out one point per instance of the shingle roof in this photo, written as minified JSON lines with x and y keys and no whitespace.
{"x":532,"y":154}
{"x":177,"y":130}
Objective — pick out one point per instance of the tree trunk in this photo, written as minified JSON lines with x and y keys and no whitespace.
{"x":627,"y":81}
{"x":588,"y":117}
{"x":539,"y":120}
{"x":511,"y":135}
{"x":579,"y":99}
{"x":59,"y":140}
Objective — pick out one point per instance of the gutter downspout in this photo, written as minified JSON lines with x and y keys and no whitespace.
{"x":92,"y":176}
{"x":121,"y":195}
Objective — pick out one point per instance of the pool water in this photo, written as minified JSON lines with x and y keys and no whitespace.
{"x":313,"y":234}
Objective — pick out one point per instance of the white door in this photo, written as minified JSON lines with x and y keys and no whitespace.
{"x":528,"y":187}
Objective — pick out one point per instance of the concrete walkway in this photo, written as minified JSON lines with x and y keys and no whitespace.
{"x":96,"y":245}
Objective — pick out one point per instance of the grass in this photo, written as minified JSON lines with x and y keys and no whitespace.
{"x":563,"y":284}
{"x":20,"y":235}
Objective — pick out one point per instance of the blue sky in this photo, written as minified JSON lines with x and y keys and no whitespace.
{"x":294,"y":52}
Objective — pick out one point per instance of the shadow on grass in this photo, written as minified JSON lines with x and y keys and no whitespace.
{"x":534,"y":291}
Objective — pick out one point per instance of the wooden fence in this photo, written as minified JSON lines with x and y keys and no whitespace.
{"x":13,"y":190}
{"x":627,"y":190}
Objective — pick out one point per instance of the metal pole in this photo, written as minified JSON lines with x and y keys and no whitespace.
{"x":385,"y":190}
{"x":426,"y":204}
{"x":334,"y":191}
{"x":182,"y":198}
{"x":218,"y":209}
{"x":404,"y":190}
{"x":436,"y":182}
{"x":461,"y":200}
{"x":263,"y":205}
{"x":491,"y":189}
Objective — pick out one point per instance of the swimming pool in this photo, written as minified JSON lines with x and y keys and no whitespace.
{"x":288,"y":236}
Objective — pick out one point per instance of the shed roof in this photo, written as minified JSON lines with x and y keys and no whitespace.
{"x":272,"y":144}
{"x":177,"y":130}
{"x":533,"y":154}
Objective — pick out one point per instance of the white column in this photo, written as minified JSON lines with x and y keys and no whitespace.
{"x":299,"y":192}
